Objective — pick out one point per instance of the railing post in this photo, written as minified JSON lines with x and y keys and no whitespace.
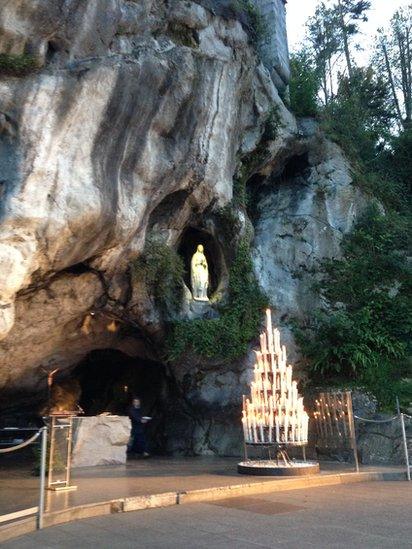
{"x":352,"y":430}
{"x":42,"y":477}
{"x":405,"y":445}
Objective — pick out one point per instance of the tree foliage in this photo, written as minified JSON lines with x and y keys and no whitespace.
{"x":362,"y":332}
{"x":325,"y":48}
{"x":360,"y":115}
{"x":348,"y":15}
{"x":394,"y":59}
{"x":365,"y":333}
{"x":304,"y":85}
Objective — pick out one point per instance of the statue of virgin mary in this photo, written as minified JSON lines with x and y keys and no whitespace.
{"x":199,"y":275}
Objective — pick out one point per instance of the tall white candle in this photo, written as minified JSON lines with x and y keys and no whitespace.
{"x":269,"y":330}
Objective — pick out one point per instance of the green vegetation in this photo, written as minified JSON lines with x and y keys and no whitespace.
{"x":240,"y":198}
{"x":362,"y":333}
{"x":359,"y":117}
{"x":227,"y":337}
{"x":161,"y":269}
{"x":272,"y":124}
{"x":17,"y":65}
{"x":256,"y":28}
{"x":304,"y":85}
{"x":252,"y":161}
{"x":365,"y":334}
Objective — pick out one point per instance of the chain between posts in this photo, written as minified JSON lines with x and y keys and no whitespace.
{"x":21,"y":444}
{"x":376,"y":420}
{"x":401,"y":418}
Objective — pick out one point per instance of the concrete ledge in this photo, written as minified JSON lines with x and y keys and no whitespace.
{"x":167,"y":499}
{"x":278,"y":485}
{"x":150,"y":502}
{"x":83,"y":511}
{"x":17,"y":528}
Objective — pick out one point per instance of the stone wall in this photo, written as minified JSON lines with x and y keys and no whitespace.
{"x":100,"y":440}
{"x":274,"y":47}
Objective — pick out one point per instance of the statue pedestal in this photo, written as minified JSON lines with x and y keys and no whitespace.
{"x":100,"y":440}
{"x":200,"y":309}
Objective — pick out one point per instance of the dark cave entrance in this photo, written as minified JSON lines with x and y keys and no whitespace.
{"x":109,"y":379}
{"x":189,"y":241}
{"x":258,"y":186}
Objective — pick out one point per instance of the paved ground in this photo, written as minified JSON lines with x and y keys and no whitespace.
{"x":19,"y":488}
{"x":367,"y":515}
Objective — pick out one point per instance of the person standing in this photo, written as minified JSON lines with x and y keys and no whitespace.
{"x":138,"y":443}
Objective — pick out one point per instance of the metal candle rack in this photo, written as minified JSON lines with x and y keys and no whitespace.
{"x":274,"y":416}
{"x":334,"y":421}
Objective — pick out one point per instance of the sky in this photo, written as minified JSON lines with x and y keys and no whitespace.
{"x":299,"y":10}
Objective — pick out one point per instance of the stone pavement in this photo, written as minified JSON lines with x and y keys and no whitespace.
{"x":366,"y":515}
{"x":19,"y":488}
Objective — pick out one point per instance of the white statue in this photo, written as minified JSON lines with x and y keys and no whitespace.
{"x":199,"y":275}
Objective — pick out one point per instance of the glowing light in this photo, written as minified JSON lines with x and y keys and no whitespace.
{"x":274,"y":412}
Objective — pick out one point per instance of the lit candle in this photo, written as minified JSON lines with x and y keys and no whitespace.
{"x":254,"y":427}
{"x":263,"y":345}
{"x":269,"y":330}
{"x":245,"y":433}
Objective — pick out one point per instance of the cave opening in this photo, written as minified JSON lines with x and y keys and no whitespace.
{"x":296,"y":166}
{"x":258,"y":186}
{"x":52,"y":50}
{"x":189,"y":241}
{"x":109,"y":379}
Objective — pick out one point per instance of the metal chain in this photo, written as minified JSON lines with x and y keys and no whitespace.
{"x":21,"y":445}
{"x":376,"y":420}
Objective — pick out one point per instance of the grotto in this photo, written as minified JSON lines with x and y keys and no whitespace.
{"x":144,"y":128}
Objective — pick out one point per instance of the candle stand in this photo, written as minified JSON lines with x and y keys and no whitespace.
{"x":277,"y":462}
{"x":274,"y":419}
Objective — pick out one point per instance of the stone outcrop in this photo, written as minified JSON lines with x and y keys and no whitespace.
{"x":100,"y":440}
{"x":274,"y":49}
{"x":301,"y":216}
{"x":133,"y":123}
{"x":121,"y":116}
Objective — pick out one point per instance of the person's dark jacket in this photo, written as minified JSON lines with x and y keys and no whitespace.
{"x":135,"y":414}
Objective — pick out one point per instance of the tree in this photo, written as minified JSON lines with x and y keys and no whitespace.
{"x":330,"y":33}
{"x":349,"y":13}
{"x":324,"y":43}
{"x":394,"y":57}
{"x":304,"y":84}
{"x":360,"y":115}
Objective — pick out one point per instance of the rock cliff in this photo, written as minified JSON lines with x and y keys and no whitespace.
{"x":132,"y":119}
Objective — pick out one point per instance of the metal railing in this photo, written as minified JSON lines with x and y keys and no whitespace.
{"x":335,"y":423}
{"x":401,"y":417}
{"x":405,"y":445}
{"x":38,"y":510}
